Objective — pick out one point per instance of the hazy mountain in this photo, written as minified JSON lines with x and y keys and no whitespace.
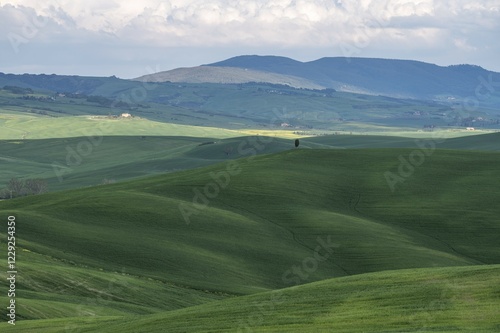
{"x":378,"y":76}
{"x":228,"y":75}
{"x":387,"y":77}
{"x":59,"y":83}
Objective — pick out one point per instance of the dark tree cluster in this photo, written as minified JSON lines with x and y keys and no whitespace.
{"x":18,"y":90}
{"x":18,"y":188}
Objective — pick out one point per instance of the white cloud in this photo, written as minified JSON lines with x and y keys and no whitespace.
{"x":431,"y":26}
{"x":232,"y":19}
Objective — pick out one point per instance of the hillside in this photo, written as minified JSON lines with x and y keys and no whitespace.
{"x":387,"y":77}
{"x":390,"y":77}
{"x":88,"y":161}
{"x":463,"y":299}
{"x":243,"y":106}
{"x":270,"y":214}
{"x":178,"y":202}
{"x":56,"y":83}
{"x":486,"y":142}
{"x":65,"y":164}
{"x":226,"y":75}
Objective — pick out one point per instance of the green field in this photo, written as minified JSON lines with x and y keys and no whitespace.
{"x":241,"y":107}
{"x":450,"y":300}
{"x":90,"y":160}
{"x":20,"y":126}
{"x":87,"y":161}
{"x":198,"y":214}
{"x":141,"y":256}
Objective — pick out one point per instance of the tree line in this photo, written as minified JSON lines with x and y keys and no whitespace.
{"x":19,"y":187}
{"x":18,"y":90}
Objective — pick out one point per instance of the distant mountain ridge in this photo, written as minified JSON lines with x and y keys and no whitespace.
{"x":373,"y":76}
{"x":57,"y":83}
{"x":389,"y":77}
{"x":399,"y":78}
{"x":228,"y":75}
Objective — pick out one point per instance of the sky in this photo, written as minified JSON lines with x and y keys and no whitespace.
{"x":134,"y":38}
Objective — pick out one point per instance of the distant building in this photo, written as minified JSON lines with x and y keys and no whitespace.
{"x":126,"y":115}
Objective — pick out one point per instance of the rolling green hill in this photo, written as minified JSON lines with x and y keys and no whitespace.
{"x":207,"y":219}
{"x":85,"y":161}
{"x":389,"y":77}
{"x":227,"y":75}
{"x":256,"y":225}
{"x":257,"y":106}
{"x":441,"y":140}
{"x":20,"y":126}
{"x":463,"y":299}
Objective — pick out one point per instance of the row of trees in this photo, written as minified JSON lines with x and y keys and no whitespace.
{"x":18,"y":188}
{"x":18,"y":90}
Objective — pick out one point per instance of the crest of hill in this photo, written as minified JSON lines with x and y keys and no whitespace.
{"x":390,"y":77}
{"x":228,"y":75}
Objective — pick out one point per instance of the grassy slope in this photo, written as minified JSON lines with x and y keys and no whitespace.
{"x":266,"y":221}
{"x":442,"y":140}
{"x":18,"y":126}
{"x":48,"y":287}
{"x":251,"y":106}
{"x":114,"y":157}
{"x":78,"y":165}
{"x":213,"y":74}
{"x":463,"y":299}
{"x":124,"y":157}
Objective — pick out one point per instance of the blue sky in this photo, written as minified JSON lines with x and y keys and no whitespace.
{"x":133,"y":38}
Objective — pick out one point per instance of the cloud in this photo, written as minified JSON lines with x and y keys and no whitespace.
{"x":361,"y":26}
{"x":287,"y":22}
